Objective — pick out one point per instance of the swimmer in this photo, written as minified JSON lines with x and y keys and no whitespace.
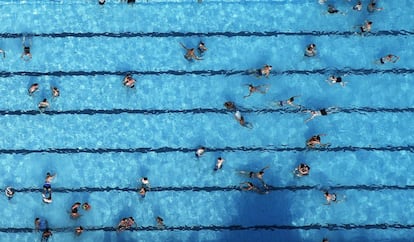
{"x":86,"y":206}
{"x":142,"y":192}
{"x":248,"y":186}
{"x":200,"y":151}
{"x":78,"y":230}
{"x":122,"y":225}
{"x":26,"y":55}
{"x":314,"y":141}
{"x":302,"y":170}
{"x":332,"y":9}
{"x":145,"y":182}
{"x":310,"y":50}
{"x":239,"y":117}
{"x":259,"y":175}
{"x":372,"y":6}
{"x":130,"y":222}
{"x":358,"y":6}
{"x":260,"y":89}
{"x":55,"y":92}
{"x":160,"y":222}
{"x":101,"y":2}
{"x":366,"y":27}
{"x":49,"y":177}
{"x":230,"y":105}
{"x":190,"y":54}
{"x":201,"y":48}
{"x":321,"y":112}
{"x":33,"y":88}
{"x":330,"y":197}
{"x":3,"y":52}
{"x":74,"y":210}
{"x":219,"y":164}
{"x":288,"y":102}
{"x":336,"y":79}
{"x":46,"y":235}
{"x":43,"y":105}
{"x":265,"y":71}
{"x":9,"y":192}
{"x":129,"y":81}
{"x":47,"y":188}
{"x":388,"y":58}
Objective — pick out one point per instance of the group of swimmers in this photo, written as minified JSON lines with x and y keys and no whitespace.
{"x":44,"y":104}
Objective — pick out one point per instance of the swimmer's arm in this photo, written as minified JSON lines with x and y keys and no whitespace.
{"x":183,"y":46}
{"x":197,"y":58}
{"x":267,"y":167}
{"x":250,"y":93}
{"x":309,"y":119}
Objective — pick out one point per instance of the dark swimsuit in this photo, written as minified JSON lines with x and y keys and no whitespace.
{"x":47,"y":186}
{"x":27,"y":50}
{"x":338,"y":79}
{"x":382,"y":61}
{"x":323,"y":112}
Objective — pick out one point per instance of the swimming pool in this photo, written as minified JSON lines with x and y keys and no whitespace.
{"x":100,"y":137}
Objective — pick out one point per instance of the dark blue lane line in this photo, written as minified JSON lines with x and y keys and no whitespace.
{"x":226,"y":228}
{"x":197,"y":111}
{"x":409,"y":148}
{"x":219,"y":189}
{"x":208,"y":72}
{"x":208,"y":34}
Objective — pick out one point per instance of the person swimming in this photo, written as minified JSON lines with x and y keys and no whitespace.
{"x":41,"y":224}
{"x":200,"y":151}
{"x":288,"y":102}
{"x":336,"y":80}
{"x":190,"y":54}
{"x":160,"y":222}
{"x":388,"y":58}
{"x":264,"y":71}
{"x":55,"y":92}
{"x":314,"y":141}
{"x":372,"y":7}
{"x":43,"y":105}
{"x":143,"y":191}
{"x":239,"y":117}
{"x":330,"y":197}
{"x":357,"y":6}
{"x":230,"y":105}
{"x":219,"y":164}
{"x":74,"y":210}
{"x":260,"y":89}
{"x":201,"y":48}
{"x":310,"y":50}
{"x":78,"y":230}
{"x":46,"y":235}
{"x":9,"y":192}
{"x":366,"y":27}
{"x":321,"y":112}
{"x":129,"y":81}
{"x":26,"y":55}
{"x":252,"y":174}
{"x":302,"y":170}
{"x":33,"y":88}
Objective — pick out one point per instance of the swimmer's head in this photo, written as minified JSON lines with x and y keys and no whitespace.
{"x":48,"y":174}
{"x":369,"y":22}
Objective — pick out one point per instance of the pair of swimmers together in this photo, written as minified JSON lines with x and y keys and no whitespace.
{"x":190,"y":52}
{"x":219,"y":163}
{"x":237,"y":115}
{"x":74,"y":209}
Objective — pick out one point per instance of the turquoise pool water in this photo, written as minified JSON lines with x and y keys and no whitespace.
{"x":100,"y":137}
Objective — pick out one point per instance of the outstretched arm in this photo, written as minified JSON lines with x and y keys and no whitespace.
{"x":183,"y":46}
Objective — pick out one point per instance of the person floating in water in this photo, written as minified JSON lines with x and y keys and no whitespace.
{"x":336,"y":80}
{"x":78,"y":230}
{"x":310,"y":50}
{"x":190,"y":54}
{"x":219,"y":164}
{"x":27,"y":43}
{"x":143,"y":191}
{"x":302,"y":170}
{"x":366,"y":28}
{"x":315,"y":141}
{"x":230,"y":105}
{"x":289,"y":102}
{"x":201,"y":48}
{"x":321,"y":112}
{"x":260,"y":89}
{"x":252,"y":174}
{"x":200,"y":151}
{"x":129,"y":81}
{"x":160,"y":222}
{"x":125,"y":223}
{"x":330,"y":197}
{"x":43,"y":105}
{"x":264,"y":71}
{"x":145,"y":182}
{"x":9,"y":192}
{"x":357,"y":6}
{"x":239,"y":117}
{"x":372,"y":6}
{"x":46,"y":235}
{"x":55,"y":92}
{"x":74,"y":210}
{"x":33,"y":88}
{"x":41,"y":224}
{"x":388,"y":58}
{"x":333,"y":10}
